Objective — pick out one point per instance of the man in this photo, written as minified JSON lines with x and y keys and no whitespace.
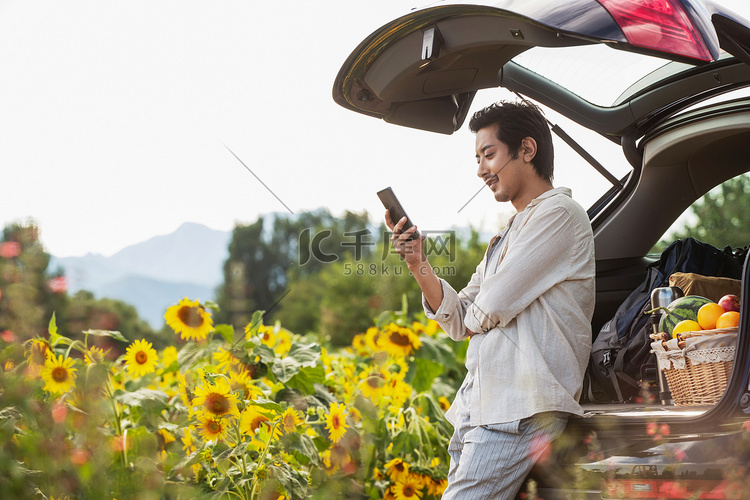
{"x":527,"y":310}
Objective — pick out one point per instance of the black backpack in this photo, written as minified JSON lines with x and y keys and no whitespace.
{"x":623,"y":346}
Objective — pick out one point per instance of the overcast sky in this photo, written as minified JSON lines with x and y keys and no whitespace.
{"x":114,"y":118}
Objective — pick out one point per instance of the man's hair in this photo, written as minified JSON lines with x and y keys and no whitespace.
{"x":516,"y":121}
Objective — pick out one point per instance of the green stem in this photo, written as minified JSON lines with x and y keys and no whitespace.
{"x":117,"y":416}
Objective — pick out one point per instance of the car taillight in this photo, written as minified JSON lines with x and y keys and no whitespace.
{"x":660,"y":25}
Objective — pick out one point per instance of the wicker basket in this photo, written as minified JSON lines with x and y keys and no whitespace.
{"x":698,"y":371}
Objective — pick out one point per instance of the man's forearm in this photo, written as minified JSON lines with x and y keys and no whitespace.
{"x":429,"y":283}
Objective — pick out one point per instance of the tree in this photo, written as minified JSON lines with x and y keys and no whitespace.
{"x":85,"y":312}
{"x":30,"y":294}
{"x":262,"y":259}
{"x":26,"y":298}
{"x":719,"y":217}
{"x":355,"y":291}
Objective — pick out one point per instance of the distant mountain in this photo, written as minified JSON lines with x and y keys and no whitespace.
{"x":156,"y":273}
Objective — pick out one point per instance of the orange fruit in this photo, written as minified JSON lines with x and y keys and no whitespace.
{"x":686,"y":325}
{"x":708,"y":314}
{"x":728,"y":320}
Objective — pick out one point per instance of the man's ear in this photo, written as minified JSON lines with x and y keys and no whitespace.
{"x":528,"y":149}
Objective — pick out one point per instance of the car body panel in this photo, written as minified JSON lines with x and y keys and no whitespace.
{"x":393,"y":76}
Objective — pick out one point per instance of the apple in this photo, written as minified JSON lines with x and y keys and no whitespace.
{"x":730,"y":303}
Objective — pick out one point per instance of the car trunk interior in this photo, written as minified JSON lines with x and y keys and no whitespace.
{"x":683,"y":159}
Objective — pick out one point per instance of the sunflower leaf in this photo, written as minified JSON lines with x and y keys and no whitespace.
{"x":291,"y":479}
{"x":264,"y":353}
{"x":55,"y":338}
{"x":306,"y":378}
{"x":226,"y":331}
{"x":52,"y":327}
{"x":268,"y":405}
{"x":285,"y":368}
{"x":253,"y":327}
{"x":142,"y":397}
{"x":303,"y":448}
{"x":107,"y":333}
{"x":193,"y":458}
{"x":404,"y":443}
{"x":425,"y":373}
{"x":305,"y":354}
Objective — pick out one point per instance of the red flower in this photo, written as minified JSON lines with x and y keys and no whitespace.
{"x":58,"y":285}
{"x":10,"y":249}
{"x":59,"y":412}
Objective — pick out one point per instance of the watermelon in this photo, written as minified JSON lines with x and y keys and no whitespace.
{"x":681,"y":309}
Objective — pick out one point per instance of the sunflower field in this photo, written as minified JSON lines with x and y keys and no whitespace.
{"x":255,"y":414}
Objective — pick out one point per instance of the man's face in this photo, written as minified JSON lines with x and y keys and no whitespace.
{"x":496,"y":165}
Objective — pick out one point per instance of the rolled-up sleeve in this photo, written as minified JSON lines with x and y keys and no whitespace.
{"x":536,"y":260}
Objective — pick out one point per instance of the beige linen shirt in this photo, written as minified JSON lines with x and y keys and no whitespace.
{"x":533,"y":313}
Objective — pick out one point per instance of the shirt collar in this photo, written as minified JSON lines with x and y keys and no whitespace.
{"x":547,"y":194}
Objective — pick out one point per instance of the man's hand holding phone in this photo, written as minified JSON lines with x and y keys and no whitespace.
{"x":405,"y":239}
{"x":410,"y":249}
{"x":409,"y":244}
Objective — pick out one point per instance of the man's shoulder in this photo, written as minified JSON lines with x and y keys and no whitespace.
{"x":562,"y":201}
{"x":562,"y":197}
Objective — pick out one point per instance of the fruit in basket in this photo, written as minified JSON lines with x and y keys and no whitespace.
{"x":708,"y":314}
{"x":728,"y":320}
{"x":681,"y":309}
{"x":730,"y":303}
{"x":686,"y":325}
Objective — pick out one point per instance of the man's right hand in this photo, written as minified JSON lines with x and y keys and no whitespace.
{"x":412,"y":251}
{"x":413,"y":254}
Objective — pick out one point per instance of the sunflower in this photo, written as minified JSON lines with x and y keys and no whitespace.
{"x":408,"y":489}
{"x":58,"y":374}
{"x":359,"y":344}
{"x":266,"y":334}
{"x":251,"y":420}
{"x":36,"y":356}
{"x":93,"y":356}
{"x":141,"y":358}
{"x":336,"y":422}
{"x":372,"y":336}
{"x":164,"y":437}
{"x":185,"y":389}
{"x":188,"y":445}
{"x":372,"y":385}
{"x":284,"y":341}
{"x":169,"y":356}
{"x":397,"y":470}
{"x":225,"y":360}
{"x":399,"y":341}
{"x":435,"y":486}
{"x":290,"y":420}
{"x":215,"y":399}
{"x":328,"y":465}
{"x":398,"y":390}
{"x":189,"y":319}
{"x":243,"y":381}
{"x":213,"y":428}
{"x":444,"y":403}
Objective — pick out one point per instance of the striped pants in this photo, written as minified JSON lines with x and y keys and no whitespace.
{"x":492,"y":461}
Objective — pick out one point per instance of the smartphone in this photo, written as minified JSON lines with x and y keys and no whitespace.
{"x":391,"y":203}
